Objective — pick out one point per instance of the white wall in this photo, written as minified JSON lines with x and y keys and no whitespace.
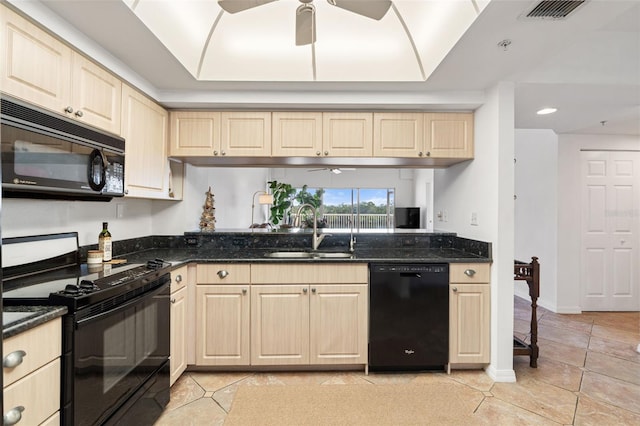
{"x":569,"y":147}
{"x":32,"y":217}
{"x":485,"y":186}
{"x":536,"y":209}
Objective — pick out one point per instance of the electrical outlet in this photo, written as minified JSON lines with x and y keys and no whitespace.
{"x":439,"y":216}
{"x":119,"y":211}
{"x":474,"y":218}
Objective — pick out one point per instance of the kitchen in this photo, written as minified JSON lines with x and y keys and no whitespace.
{"x":455,"y":190}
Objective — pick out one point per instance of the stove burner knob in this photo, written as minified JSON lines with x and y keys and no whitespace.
{"x":87,"y":286}
{"x":72,"y":290}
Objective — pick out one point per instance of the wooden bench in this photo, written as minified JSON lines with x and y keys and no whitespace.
{"x":529,"y":272}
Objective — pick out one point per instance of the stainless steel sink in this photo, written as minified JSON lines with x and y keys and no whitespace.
{"x":290,"y":254}
{"x":308,"y":255}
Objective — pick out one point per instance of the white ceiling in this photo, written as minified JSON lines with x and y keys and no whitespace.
{"x":587,"y":66}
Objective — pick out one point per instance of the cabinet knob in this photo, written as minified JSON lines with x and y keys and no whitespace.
{"x":469,"y":272}
{"x":173,"y":301}
{"x":79,"y":113}
{"x":313,"y":290}
{"x":326,"y":153}
{"x":455,"y":289}
{"x":223,"y":152}
{"x":179,"y":278}
{"x":223,"y":274}
{"x":13,"y":359}
{"x":13,"y":416}
{"x":420,"y":154}
{"x":318,"y":153}
{"x":428,"y":153}
{"x":126,"y":191}
{"x":244,"y":291}
{"x":68,"y":110}
{"x":304,"y":290}
{"x":215,"y":152}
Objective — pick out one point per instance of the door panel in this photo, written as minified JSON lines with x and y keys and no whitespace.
{"x":610,"y":231}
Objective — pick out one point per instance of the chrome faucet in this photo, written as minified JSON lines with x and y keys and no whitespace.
{"x":316,"y":239}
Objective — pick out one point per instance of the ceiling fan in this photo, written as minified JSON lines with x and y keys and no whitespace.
{"x":334,"y":170}
{"x":306,"y":13}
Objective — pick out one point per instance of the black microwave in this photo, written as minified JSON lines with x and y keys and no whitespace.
{"x":49,"y":156}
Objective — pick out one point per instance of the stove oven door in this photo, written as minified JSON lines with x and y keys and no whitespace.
{"x":116,"y":355}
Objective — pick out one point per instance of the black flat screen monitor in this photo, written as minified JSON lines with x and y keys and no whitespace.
{"x":407,"y":217}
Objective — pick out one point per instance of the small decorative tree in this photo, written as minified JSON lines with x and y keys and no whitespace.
{"x":208,"y":218}
{"x":282,"y":193}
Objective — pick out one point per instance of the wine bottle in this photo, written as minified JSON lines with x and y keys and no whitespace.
{"x":104,"y":243}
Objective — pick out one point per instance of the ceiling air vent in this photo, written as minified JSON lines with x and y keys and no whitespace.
{"x":554,"y":9}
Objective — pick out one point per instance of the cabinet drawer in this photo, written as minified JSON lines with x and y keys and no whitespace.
{"x":214,"y":273}
{"x":38,"y":393}
{"x":294,"y":273}
{"x":178,"y":278}
{"x":458,"y":272}
{"x":41,"y":345}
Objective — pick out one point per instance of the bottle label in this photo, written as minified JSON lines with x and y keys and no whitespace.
{"x":104,"y":244}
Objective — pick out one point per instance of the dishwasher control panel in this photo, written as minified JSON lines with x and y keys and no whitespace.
{"x":411,"y":268}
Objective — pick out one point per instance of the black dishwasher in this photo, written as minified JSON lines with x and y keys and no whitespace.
{"x":408,"y":316}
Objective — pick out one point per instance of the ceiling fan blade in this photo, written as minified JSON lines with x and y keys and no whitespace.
{"x":374,"y":9}
{"x":305,"y":24}
{"x":317,"y":170}
{"x":234,"y":6}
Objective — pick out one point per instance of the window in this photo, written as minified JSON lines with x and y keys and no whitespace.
{"x":371,"y":208}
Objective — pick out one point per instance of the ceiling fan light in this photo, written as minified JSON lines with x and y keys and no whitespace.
{"x":335,"y":171}
{"x":545,"y":111}
{"x":235,"y":6}
{"x":305,"y":24}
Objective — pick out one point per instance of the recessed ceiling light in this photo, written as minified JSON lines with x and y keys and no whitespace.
{"x":545,"y":111}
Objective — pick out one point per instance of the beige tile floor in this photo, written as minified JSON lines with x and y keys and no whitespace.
{"x":588,"y":374}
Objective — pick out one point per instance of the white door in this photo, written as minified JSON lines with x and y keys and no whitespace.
{"x":610,"y":271}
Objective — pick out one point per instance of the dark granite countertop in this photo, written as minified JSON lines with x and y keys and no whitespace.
{"x":395,"y":255}
{"x":17,"y":319}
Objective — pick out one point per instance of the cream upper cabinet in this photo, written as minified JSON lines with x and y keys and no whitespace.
{"x":398,"y":135}
{"x":245,"y":134}
{"x":449,"y":135}
{"x":40,"y":69}
{"x":297,"y":134}
{"x":194,"y":133}
{"x":469,"y":313}
{"x":144,"y":127}
{"x":347,"y":134}
{"x":96,"y":95}
{"x":178,"y":360}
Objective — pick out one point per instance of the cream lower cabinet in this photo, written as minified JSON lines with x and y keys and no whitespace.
{"x":31,"y":375}
{"x":469,"y":314}
{"x":222,"y":314}
{"x":309,"y":314}
{"x":178,"y":361}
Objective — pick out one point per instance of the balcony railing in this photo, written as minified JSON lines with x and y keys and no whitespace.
{"x":363,"y":221}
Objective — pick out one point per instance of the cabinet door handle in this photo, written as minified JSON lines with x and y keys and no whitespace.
{"x":244,"y":291}
{"x":326,"y":153}
{"x":223,"y":152}
{"x":13,"y":416}
{"x":79,"y":113}
{"x":178,"y":278}
{"x":455,"y":289}
{"x":304,"y":290}
{"x":215,"y":152}
{"x":173,"y":301}
{"x":469,"y":272}
{"x":68,"y":110}
{"x":13,"y":359}
{"x":318,"y":153}
{"x":420,"y":154}
{"x":428,"y":153}
{"x":223,"y":274}
{"x":313,"y":290}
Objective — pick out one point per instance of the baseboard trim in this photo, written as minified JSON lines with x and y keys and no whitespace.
{"x":504,"y":376}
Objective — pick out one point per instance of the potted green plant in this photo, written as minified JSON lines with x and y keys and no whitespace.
{"x":282,"y":195}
